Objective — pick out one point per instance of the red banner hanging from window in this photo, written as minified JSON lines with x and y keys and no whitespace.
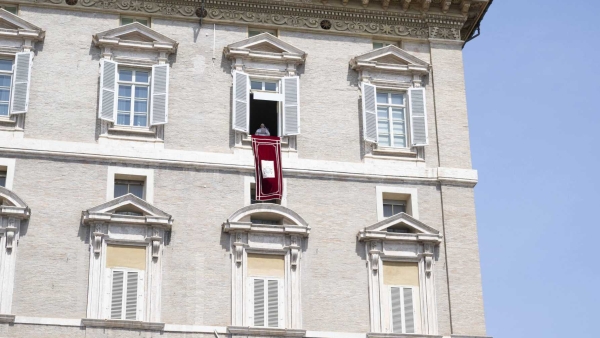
{"x":267,"y":164}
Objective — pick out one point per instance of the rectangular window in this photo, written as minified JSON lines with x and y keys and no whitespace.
{"x":266,"y":301}
{"x":256,"y":31}
{"x":393,"y":207}
{"x":381,"y":44}
{"x":124,"y":187}
{"x":125,"y":20}
{"x":127,"y":266}
{"x":402,"y":285}
{"x":10,"y":8}
{"x":264,"y":110}
{"x":134,"y":87}
{"x":391,"y":119}
{"x":3,"y":173}
{"x":403,"y":309}
{"x":6,"y":71}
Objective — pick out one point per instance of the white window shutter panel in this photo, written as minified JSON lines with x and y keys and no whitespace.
{"x":116,"y":301}
{"x":273,"y":303}
{"x":140,"y":296}
{"x":159,"y":111}
{"x":21,"y":82}
{"x":396,"y":309}
{"x":131,"y":295}
{"x":291,"y":105}
{"x":418,"y":116}
{"x":369,"y":108}
{"x":409,"y":314}
{"x":241,"y":102}
{"x":259,"y":302}
{"x":107,"y":104}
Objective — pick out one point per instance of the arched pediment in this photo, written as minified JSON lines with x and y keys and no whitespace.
{"x":128,"y":209}
{"x":390,"y":59}
{"x":137,"y":36}
{"x":267,"y":47}
{"x":267,"y":217}
{"x":400,"y":227}
{"x":12,"y":205}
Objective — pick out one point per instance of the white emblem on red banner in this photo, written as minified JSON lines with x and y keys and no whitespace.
{"x":268,"y":169}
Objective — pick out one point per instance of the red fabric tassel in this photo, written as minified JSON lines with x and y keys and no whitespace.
{"x":267,"y":164}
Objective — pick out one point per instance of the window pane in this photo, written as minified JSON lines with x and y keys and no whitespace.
{"x":123,"y":119}
{"x":270,"y":86}
{"x":6,"y":65}
{"x":398,"y":114}
{"x":400,"y":141}
{"x":125,"y":75}
{"x":142,"y":21}
{"x":397,"y":99}
{"x":125,"y":91}
{"x":4,"y":95}
{"x":120,"y":190}
{"x":139,"y":120}
{"x":141,"y":77}
{"x":382,"y":112}
{"x":137,"y":190}
{"x":384,"y":140}
{"x":4,"y":80}
{"x":3,"y":109}
{"x":253,"y":33}
{"x":140,"y":106}
{"x":398,"y":208}
{"x":377,"y":45}
{"x":124,"y":105}
{"x":398,"y":128}
{"x":3,"y":181}
{"x":126,"y":21}
{"x":388,"y":210}
{"x":382,"y":98}
{"x":11,"y":9}
{"x":383,"y":126}
{"x":141,"y":92}
{"x":256,"y":85}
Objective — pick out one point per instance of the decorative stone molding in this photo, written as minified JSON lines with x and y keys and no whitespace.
{"x":122,"y":324}
{"x":13,"y":212}
{"x":249,"y":331}
{"x":285,"y":238}
{"x":416,"y":244}
{"x":109,"y":226}
{"x":409,"y":19}
{"x":389,"y":60}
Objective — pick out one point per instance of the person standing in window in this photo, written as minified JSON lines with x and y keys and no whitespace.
{"x":262,"y":131}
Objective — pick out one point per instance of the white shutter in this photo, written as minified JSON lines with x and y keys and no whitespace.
{"x":409,"y":314}
{"x":116,"y":301}
{"x":21,"y":81}
{"x":259,"y":302}
{"x":107,"y":104}
{"x":369,"y":108}
{"x":140,"y":296}
{"x":418,"y":116}
{"x":273,"y":303}
{"x":131,"y":295}
{"x":291,"y":105}
{"x":241,"y":102}
{"x":159,"y":106}
{"x":396,"y":302}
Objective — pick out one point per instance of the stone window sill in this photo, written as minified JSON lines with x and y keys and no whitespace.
{"x":389,"y":151}
{"x":146,"y":131}
{"x":123,"y":324}
{"x":264,"y":331}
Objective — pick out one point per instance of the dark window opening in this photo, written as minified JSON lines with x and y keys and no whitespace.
{"x":391,"y":208}
{"x":262,"y":111}
{"x":124,"y":187}
{"x":253,"y":196}
{"x":3,"y":178}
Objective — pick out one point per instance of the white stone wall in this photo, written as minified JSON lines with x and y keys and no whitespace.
{"x":52,"y":264}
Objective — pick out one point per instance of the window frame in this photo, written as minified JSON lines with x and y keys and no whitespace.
{"x":384,"y":43}
{"x":139,"y":313}
{"x":394,"y":202}
{"x":11,"y":74}
{"x":129,"y":183}
{"x":134,"y":84}
{"x":135,"y":19}
{"x":280,"y":302}
{"x":15,"y":6}
{"x":408,"y":195}
{"x":264,"y":80}
{"x":128,"y":173}
{"x":390,"y":108}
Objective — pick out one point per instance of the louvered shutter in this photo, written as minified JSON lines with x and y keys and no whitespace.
{"x":291,"y":105}
{"x":131,"y":295}
{"x":418,"y":117}
{"x":241,"y":101}
{"x":159,"y":105}
{"x":369,"y":108}
{"x":396,"y":302}
{"x":409,"y":315}
{"x":21,"y":81}
{"x":273,"y":303}
{"x":107,"y":106}
{"x":259,"y":302}
{"x":116,"y":301}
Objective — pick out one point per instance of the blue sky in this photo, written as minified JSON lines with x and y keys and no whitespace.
{"x":533,"y":91}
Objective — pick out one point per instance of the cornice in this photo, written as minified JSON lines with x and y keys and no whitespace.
{"x":343,"y":17}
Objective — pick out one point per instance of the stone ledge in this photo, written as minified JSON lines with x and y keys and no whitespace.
{"x":265,"y":331}
{"x":462,"y":336}
{"x":400,"y":335}
{"x":124,"y":324}
{"x":7,"y":318}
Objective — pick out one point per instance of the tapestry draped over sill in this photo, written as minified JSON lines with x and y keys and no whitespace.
{"x":267,"y":164}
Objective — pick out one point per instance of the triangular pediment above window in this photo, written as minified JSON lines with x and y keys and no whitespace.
{"x":265,"y":46}
{"x":390,"y":58}
{"x":14,"y":26}
{"x":128,"y":209}
{"x":135,"y":35}
{"x":400,"y":227}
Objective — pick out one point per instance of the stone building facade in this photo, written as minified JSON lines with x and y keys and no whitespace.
{"x":127,"y":174}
